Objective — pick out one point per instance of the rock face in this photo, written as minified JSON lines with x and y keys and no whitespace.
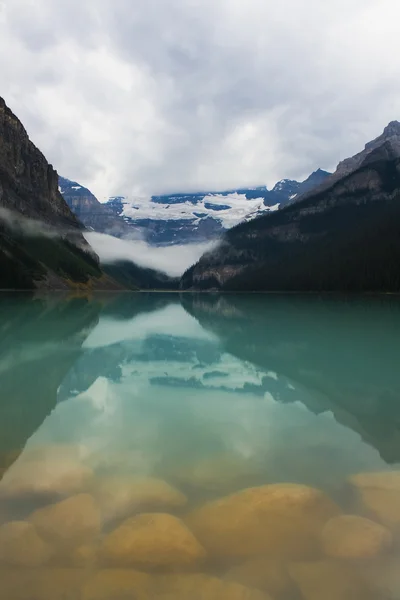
{"x":341,"y":236}
{"x":29,"y":185}
{"x":41,"y":244}
{"x":350,"y":536}
{"x":92,"y":213}
{"x":151,"y":541}
{"x":279,"y":520}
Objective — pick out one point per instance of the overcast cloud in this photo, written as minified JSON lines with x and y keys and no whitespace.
{"x":146,"y":96}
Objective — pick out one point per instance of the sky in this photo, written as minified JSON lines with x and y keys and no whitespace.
{"x":135,"y":97}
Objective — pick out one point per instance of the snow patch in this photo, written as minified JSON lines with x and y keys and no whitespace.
{"x":229,"y":210}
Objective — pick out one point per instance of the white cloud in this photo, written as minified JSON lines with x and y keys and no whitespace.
{"x":173,"y":260}
{"x":145,"y":96}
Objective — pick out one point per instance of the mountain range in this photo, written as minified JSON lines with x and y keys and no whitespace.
{"x":332,"y":232}
{"x":181,"y":217}
{"x":341,"y":236}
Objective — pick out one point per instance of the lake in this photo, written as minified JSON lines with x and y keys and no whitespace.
{"x":236,"y":447}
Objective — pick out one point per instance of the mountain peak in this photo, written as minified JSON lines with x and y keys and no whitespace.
{"x":392,"y":129}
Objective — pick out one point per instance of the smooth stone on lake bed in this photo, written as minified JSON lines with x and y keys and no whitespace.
{"x":82,"y":556}
{"x":122,"y":496}
{"x":383,"y":576}
{"x":72,"y":521}
{"x":201,"y":587}
{"x":220,"y":472}
{"x":108,"y":584}
{"x":378,"y":495}
{"x":280,"y":520}
{"x":20,"y":545}
{"x":264,"y":574}
{"x":42,"y":584}
{"x":330,"y":580}
{"x":350,"y":536}
{"x":152,"y":540}
{"x":45,"y":476}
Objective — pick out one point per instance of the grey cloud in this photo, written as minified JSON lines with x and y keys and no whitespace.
{"x":148,"y":96}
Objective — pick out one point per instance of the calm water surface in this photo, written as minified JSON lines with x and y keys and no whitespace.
{"x":203,"y":447}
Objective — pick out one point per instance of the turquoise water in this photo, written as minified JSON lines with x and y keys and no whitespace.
{"x":153,"y":404}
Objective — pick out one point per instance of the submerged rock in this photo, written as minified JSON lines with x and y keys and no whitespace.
{"x":42,"y":584}
{"x":350,"y":536}
{"x":263,"y":574}
{"x":280,"y":520}
{"x":48,"y":473}
{"x":120,"y":497}
{"x":150,"y":541}
{"x":218,"y":473}
{"x":201,"y":587}
{"x":330,"y":580}
{"x":383,"y":577}
{"x":69,"y":522}
{"x":378,"y":494}
{"x":380,"y":480}
{"x":20,"y":545}
{"x":81,"y":557}
{"x":110,"y":584}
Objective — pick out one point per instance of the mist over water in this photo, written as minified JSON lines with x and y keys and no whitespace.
{"x":238,"y":447}
{"x":173,"y":260}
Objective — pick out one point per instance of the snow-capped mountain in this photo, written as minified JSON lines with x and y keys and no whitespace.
{"x":187,"y":217}
{"x":183,"y":217}
{"x":201,"y":216}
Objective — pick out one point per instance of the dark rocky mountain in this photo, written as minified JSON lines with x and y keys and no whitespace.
{"x":92,"y":213}
{"x":181,"y":218}
{"x":288,"y":190}
{"x":133,"y":277}
{"x":341,"y":236}
{"x":41,"y":241}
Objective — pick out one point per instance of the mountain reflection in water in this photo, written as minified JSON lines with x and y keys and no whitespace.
{"x":240,"y":447}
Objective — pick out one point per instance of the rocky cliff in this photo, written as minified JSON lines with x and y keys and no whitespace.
{"x":41,"y":244}
{"x":92,"y":213}
{"x":342,"y":236}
